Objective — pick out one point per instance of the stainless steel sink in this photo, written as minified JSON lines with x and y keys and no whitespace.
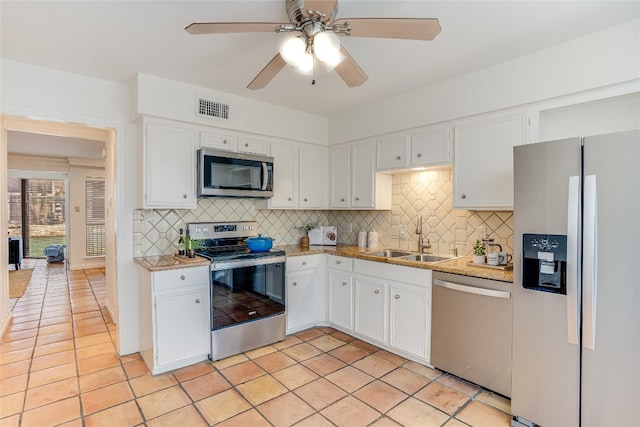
{"x":388,"y":253}
{"x":428,"y":257}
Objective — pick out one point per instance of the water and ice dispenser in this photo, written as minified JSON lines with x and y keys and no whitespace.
{"x":544,"y":262}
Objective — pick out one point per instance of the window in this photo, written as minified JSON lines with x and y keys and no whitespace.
{"x":95,"y":219}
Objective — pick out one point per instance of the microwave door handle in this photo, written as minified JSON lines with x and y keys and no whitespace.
{"x":265,"y":176}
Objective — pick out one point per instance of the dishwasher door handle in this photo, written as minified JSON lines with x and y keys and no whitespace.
{"x":472,"y":290}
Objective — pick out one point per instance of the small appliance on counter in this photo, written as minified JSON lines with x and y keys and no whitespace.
{"x":324,"y":235}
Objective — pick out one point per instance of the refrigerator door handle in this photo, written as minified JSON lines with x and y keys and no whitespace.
{"x":590,"y":263}
{"x":573,"y":233}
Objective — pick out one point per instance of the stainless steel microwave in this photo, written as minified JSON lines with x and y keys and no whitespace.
{"x":226,"y":174}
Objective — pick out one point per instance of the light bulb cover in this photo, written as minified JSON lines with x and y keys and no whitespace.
{"x":305,"y":64}
{"x":326,"y":46}
{"x":292,"y":50}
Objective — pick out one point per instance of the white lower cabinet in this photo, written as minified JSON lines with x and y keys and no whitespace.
{"x":174,"y":324}
{"x":371,"y":308}
{"x":392,"y":307}
{"x":304,"y":291}
{"x":409,"y":319}
{"x":341,"y":299}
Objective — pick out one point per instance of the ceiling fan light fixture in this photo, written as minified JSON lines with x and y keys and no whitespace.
{"x":293,"y":50}
{"x":326,"y":47}
{"x":305,"y":64}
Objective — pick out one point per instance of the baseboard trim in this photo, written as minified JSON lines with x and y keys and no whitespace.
{"x":5,"y":325}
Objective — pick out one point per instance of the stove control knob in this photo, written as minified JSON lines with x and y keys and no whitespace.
{"x":244,"y":228}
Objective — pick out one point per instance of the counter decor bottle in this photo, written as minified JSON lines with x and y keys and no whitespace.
{"x":372,"y":239}
{"x":362,"y":239}
{"x":181,"y":249}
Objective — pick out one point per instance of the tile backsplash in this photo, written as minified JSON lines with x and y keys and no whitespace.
{"x":427,"y":192}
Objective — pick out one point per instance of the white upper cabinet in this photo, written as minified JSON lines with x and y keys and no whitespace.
{"x":299,"y":177}
{"x":340,"y":158}
{"x":393,"y":153}
{"x":285,"y":168}
{"x":218,"y":141}
{"x":369,"y":190}
{"x":168,"y":154}
{"x":431,"y":147}
{"x":483,"y":165}
{"x":253,"y":146}
{"x":424,"y":148}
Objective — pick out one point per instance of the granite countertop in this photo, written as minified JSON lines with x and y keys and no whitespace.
{"x":455,"y":266}
{"x":169,"y":262}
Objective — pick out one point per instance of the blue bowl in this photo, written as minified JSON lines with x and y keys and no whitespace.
{"x":259,"y":244}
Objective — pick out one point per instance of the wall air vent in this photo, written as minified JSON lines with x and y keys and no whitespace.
{"x":207,"y":108}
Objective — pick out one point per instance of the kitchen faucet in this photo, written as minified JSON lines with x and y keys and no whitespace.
{"x":421,"y":244}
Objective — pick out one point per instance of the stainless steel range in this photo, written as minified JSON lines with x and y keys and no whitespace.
{"x":247,"y":288}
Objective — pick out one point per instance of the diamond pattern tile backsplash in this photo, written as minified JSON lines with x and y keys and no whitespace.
{"x":427,"y":192}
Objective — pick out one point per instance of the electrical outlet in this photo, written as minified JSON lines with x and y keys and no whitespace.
{"x":402,"y":231}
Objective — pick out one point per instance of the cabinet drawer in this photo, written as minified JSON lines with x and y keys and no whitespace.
{"x":341,"y":263}
{"x":180,"y":277}
{"x":304,"y":262}
{"x":253,"y":146}
{"x":220,"y":142}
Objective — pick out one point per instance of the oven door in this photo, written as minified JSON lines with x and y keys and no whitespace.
{"x":221,"y":173}
{"x":245,"y":293}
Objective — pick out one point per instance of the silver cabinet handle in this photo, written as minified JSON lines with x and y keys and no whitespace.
{"x":304,"y":262}
{"x":295,"y":283}
{"x":464,"y":196}
{"x":398,"y":157}
{"x":289,"y":199}
{"x":376,"y":291}
{"x":198,"y":301}
{"x":342,"y":199}
{"x":182,"y":277}
{"x":337,"y":262}
{"x":224,"y":142}
{"x":397,"y":296}
{"x":246,"y":144}
{"x":305,"y":199}
{"x":357,"y":198}
{"x":344,"y":283}
{"x":419,"y":155}
{"x":184,"y":196}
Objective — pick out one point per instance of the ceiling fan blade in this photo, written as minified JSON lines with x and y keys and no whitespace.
{"x":268,"y":73}
{"x":393,"y":28}
{"x":232,"y":27}
{"x":325,"y":7}
{"x":350,"y":71}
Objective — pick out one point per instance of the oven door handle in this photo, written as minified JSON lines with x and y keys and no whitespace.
{"x":232,"y":264}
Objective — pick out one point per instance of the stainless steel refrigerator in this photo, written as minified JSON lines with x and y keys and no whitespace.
{"x":576,"y":302}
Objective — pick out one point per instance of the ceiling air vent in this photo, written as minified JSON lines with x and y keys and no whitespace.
{"x":207,"y":108}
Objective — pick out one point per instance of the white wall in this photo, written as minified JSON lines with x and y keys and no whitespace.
{"x":597,"y":60}
{"x":78,"y":176}
{"x":176,"y":100}
{"x":52,"y":95}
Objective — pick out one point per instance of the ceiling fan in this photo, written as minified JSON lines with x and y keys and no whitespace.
{"x":316,"y":23}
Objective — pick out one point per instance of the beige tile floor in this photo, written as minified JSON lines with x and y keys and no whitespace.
{"x":58,"y":366}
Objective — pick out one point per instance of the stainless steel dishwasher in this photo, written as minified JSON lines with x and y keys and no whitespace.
{"x":472,"y":329}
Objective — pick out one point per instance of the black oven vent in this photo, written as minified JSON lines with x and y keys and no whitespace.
{"x":208,"y":108}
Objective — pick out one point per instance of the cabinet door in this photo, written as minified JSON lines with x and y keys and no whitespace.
{"x":182,"y":325}
{"x":170,"y":161}
{"x":253,"y":146}
{"x":340,"y":177}
{"x":218,"y":141}
{"x":431,"y":148}
{"x":371,"y":315}
{"x":285,"y":167}
{"x":302,"y":300}
{"x":362,"y":175}
{"x":311,"y":188}
{"x":341,"y":299}
{"x":392,"y":153}
{"x":483,"y":165}
{"x":409,"y":319}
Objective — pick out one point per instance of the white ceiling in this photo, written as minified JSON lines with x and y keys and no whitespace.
{"x":114,"y":40}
